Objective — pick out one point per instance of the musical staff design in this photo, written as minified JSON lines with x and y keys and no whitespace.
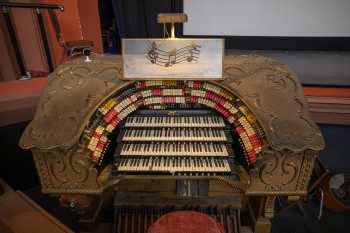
{"x":164,"y":58}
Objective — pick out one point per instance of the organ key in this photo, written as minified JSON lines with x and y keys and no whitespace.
{"x":174,"y":149}
{"x":168,"y":121}
{"x":172,"y":165}
{"x":175,"y":134}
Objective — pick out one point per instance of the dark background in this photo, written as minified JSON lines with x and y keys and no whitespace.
{"x":317,"y":61}
{"x":137,"y":18}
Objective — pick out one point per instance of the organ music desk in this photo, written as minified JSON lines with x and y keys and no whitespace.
{"x":227,"y":148}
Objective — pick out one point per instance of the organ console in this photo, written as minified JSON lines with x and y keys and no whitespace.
{"x":226,"y":148}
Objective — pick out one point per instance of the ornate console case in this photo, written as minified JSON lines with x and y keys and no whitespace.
{"x":268,"y":89}
{"x":271,"y":91}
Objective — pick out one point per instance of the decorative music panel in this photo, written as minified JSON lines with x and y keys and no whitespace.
{"x":172,"y":58}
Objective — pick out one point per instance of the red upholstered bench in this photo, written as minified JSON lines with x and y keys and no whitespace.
{"x":186,"y":222}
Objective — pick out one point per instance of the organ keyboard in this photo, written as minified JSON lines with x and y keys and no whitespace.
{"x":192,"y":121}
{"x":175,"y":149}
{"x":174,"y":134}
{"x":168,"y":142}
{"x":173,"y":165}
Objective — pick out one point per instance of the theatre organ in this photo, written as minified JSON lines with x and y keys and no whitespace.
{"x":227,"y":148}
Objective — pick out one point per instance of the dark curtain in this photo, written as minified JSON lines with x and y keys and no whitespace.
{"x":138,"y":18}
{"x":107,"y":19}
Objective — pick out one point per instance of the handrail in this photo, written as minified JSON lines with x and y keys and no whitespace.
{"x":32,"y":5}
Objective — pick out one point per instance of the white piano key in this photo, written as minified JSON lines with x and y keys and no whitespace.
{"x":175,"y":121}
{"x":194,"y":149}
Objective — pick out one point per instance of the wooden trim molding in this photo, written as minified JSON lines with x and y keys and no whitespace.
{"x":19,"y":214}
{"x":18,"y":100}
{"x":327,"y":91}
{"x":329,"y":105}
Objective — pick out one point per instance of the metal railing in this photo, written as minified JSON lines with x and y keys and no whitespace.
{"x":6,"y":8}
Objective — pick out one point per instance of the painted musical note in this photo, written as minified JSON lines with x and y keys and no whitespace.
{"x":152,"y":54}
{"x":164,"y":58}
{"x":190,"y":57}
{"x":171,"y":58}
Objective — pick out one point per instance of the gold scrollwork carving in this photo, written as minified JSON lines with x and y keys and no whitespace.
{"x":275,"y":96}
{"x":64,"y":171}
{"x":281,"y":172}
{"x":278,"y":169}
